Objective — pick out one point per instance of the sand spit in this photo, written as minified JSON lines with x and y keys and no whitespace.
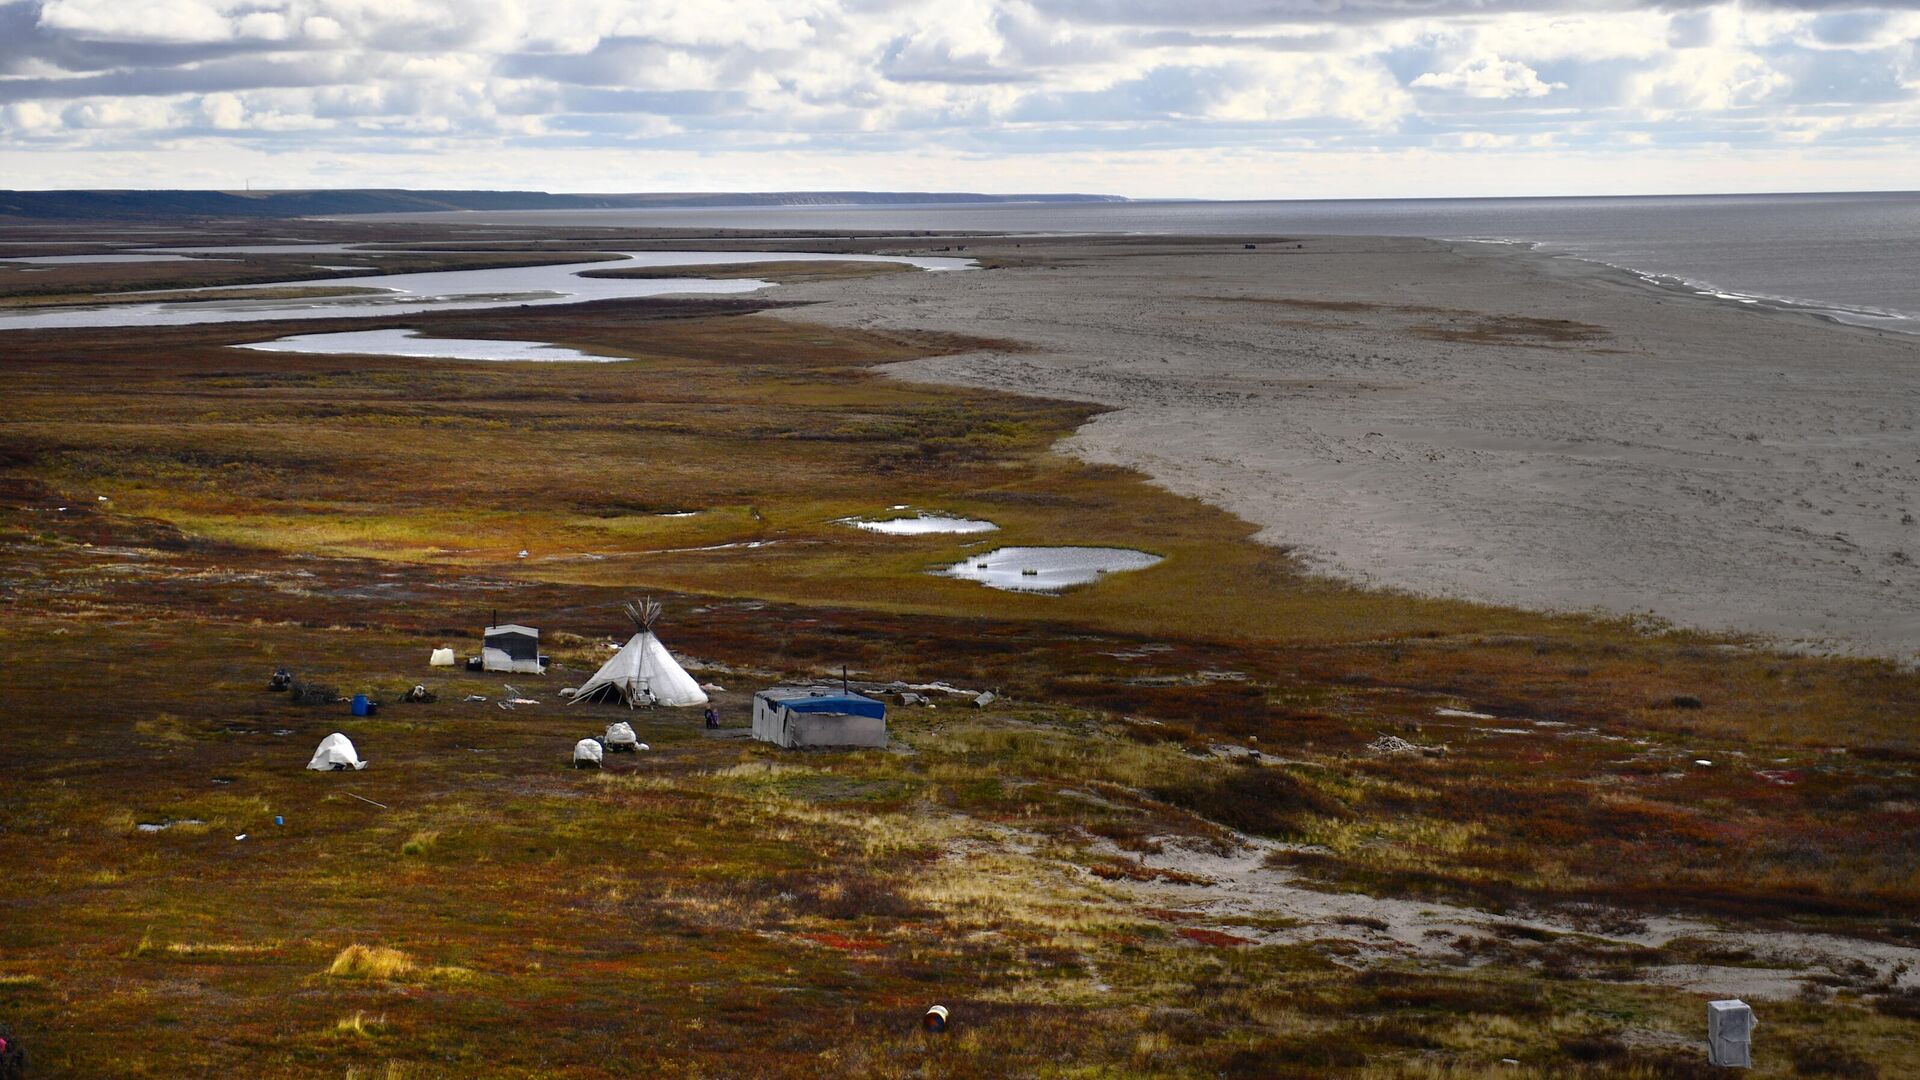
{"x":1472,"y":420}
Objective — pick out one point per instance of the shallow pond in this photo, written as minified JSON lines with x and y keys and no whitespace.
{"x":1047,"y":569}
{"x":925,"y":524}
{"x":410,"y":343}
{"x":456,"y":290}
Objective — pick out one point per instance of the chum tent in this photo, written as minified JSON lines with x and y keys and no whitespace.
{"x":643,"y":671}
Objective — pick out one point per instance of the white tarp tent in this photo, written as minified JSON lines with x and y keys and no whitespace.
{"x":643,"y":670}
{"x":336,"y":752}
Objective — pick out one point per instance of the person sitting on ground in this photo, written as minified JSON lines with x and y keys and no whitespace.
{"x":713,"y":718}
{"x":13,"y":1058}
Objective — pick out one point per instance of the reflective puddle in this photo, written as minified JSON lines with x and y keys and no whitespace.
{"x":925,"y":525}
{"x":410,"y":343}
{"x":1047,"y":569}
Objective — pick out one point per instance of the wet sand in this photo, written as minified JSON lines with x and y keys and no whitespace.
{"x":1472,"y":420}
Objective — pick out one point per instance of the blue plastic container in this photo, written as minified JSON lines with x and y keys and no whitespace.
{"x":361,"y":707}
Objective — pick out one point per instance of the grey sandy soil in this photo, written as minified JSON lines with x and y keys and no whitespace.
{"x":1472,"y":420}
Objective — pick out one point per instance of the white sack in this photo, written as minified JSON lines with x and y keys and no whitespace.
{"x":336,"y":752}
{"x":621,"y":734}
{"x":441,"y":658}
{"x":586,"y":752}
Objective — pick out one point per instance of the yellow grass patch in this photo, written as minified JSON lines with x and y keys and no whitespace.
{"x":370,"y":962}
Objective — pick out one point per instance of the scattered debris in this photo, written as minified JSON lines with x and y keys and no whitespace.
{"x":1464,"y":714}
{"x":312,"y":693}
{"x":482,"y":698}
{"x":1393,"y":746}
{"x":162,"y":826}
{"x":936,"y":1019}
{"x":1685,"y":701}
{"x":370,"y":802}
{"x":281,"y":680}
{"x":983,"y":699}
{"x":421,"y":695}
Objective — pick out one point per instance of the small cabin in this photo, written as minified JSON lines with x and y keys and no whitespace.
{"x":512,"y":648}
{"x":803,"y":716}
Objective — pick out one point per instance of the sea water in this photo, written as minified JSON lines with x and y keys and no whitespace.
{"x":1854,"y":255}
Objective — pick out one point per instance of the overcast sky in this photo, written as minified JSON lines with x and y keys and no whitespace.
{"x":1211,"y":98}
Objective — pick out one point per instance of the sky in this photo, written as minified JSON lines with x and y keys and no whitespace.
{"x":1146,"y":98}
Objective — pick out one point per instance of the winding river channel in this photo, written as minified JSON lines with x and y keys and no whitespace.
{"x":447,"y":290}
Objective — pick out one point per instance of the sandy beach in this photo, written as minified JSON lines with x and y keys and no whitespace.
{"x":1472,"y":420}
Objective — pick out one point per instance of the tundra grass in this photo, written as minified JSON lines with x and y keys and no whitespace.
{"x":717,"y":908}
{"x":713,"y":907}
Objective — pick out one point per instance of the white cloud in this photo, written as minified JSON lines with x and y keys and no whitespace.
{"x":223,"y":111}
{"x":147,"y":20}
{"x":1488,"y":76}
{"x":1015,"y":82}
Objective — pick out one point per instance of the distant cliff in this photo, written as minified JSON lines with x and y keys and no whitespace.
{"x":287,"y":204}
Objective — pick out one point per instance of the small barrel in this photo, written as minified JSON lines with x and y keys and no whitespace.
{"x":936,"y":1019}
{"x":360,"y":705}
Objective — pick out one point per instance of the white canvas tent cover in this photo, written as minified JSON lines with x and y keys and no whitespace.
{"x":643,"y":667}
{"x":336,"y":752}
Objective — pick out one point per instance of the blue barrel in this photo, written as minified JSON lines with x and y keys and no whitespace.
{"x":360,"y":705}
